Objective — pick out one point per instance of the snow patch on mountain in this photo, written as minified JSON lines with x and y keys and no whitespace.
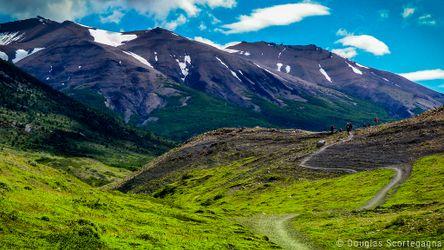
{"x":287,"y":69}
{"x":324,"y":73}
{"x":110,"y":38}
{"x":85,"y":26}
{"x":21,"y":54}
{"x":9,"y":37}
{"x":279,"y":66}
{"x":267,"y":69}
{"x":226,"y":66}
{"x":3,"y":56}
{"x":361,"y":66}
{"x":139,"y":58}
{"x":280,"y":53}
{"x":357,"y":71}
{"x":155,"y":56}
{"x":241,"y":52}
{"x":183,"y":66}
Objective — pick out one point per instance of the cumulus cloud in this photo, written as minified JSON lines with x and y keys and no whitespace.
{"x":202,"y":26}
{"x":348,"y":52}
{"x":60,"y":10}
{"x":426,"y":20}
{"x":424,"y":75}
{"x":284,"y":14}
{"x":114,"y":17}
{"x":173,"y":24}
{"x":365,"y":42}
{"x":407,"y":12}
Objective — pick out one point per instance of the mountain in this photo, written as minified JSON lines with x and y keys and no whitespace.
{"x":34,"y":116}
{"x":327,"y":69}
{"x":179,"y":87}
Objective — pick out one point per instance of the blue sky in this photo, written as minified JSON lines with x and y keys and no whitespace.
{"x":401,"y":36}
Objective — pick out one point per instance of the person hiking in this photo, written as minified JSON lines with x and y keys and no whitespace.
{"x":349,"y":127}
{"x":332,"y":129}
{"x":376,"y":120}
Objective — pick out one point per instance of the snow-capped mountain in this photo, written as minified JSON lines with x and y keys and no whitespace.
{"x":176,"y":85}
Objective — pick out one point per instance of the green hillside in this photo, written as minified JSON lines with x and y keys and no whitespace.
{"x":253,"y":176}
{"x":42,"y":207}
{"x":33,"y":116}
{"x":205,"y":113}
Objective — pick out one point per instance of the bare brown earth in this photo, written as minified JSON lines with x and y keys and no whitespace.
{"x":277,"y":154}
{"x":392,"y":144}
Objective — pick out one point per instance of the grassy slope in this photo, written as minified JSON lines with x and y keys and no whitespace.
{"x":43,"y":207}
{"x":253,"y":175}
{"x":34,"y":116}
{"x":327,"y":209}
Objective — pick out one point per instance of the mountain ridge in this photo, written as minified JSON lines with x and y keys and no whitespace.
{"x":150,"y":76}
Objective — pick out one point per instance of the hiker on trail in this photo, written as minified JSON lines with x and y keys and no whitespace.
{"x":332,"y":129}
{"x":376,"y":120}
{"x":349,"y":127}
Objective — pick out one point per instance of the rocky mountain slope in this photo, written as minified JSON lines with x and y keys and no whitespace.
{"x":34,"y":116}
{"x":168,"y":83}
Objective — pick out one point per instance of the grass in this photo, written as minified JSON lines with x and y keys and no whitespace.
{"x":324,"y":210}
{"x":45,"y":207}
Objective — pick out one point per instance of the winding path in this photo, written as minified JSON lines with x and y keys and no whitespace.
{"x":277,"y":227}
{"x":322,"y":149}
{"x":378,"y":199}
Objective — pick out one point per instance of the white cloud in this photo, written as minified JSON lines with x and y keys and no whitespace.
{"x":213,"y":44}
{"x":426,"y":20}
{"x":115,"y":17}
{"x":384,"y":14}
{"x":342,"y":32}
{"x":173,"y":24}
{"x":58,"y":10}
{"x":407,"y":12}
{"x":348,"y":52}
{"x":365,"y":42}
{"x":284,"y":14}
{"x":424,"y":75}
{"x":61,"y":10}
{"x":202,"y":27}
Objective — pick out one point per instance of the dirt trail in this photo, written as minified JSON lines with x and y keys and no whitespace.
{"x":378,"y":199}
{"x":401,"y":175}
{"x":322,"y":149}
{"x":277,"y":227}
